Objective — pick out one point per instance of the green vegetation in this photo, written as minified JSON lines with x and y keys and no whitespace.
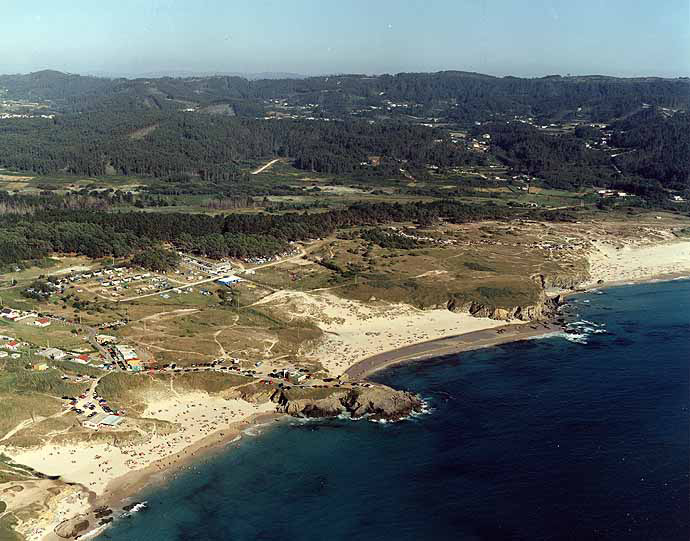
{"x":473,"y":265}
{"x":156,"y":259}
{"x":25,"y":394}
{"x":97,"y":234}
{"x":134,"y":391}
{"x":7,"y":531}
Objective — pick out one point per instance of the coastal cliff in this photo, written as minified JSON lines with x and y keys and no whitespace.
{"x":543,"y":308}
{"x":376,"y":402}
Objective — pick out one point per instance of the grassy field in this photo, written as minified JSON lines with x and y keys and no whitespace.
{"x":490,"y":264}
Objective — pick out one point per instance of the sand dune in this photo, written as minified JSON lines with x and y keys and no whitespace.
{"x":632,"y":262}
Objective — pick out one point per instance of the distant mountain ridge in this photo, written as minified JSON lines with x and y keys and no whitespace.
{"x":55,"y":85}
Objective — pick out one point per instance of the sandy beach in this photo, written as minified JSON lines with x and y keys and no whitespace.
{"x":358,"y":340}
{"x":450,"y":345}
{"x":106,"y":472}
{"x":354,"y":330}
{"x":620,"y":263}
{"x":197,"y":415}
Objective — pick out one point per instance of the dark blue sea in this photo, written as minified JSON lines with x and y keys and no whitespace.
{"x":553,"y":438}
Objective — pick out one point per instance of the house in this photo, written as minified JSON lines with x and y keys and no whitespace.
{"x":82,"y":358}
{"x":8,"y":313}
{"x":12,"y":345}
{"x":40,"y":367}
{"x":95,"y":421}
{"x":135,"y":365}
{"x":42,"y":322}
{"x":52,"y":353}
{"x":105,"y":339}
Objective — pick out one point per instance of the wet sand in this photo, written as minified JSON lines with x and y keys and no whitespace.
{"x":449,"y":345}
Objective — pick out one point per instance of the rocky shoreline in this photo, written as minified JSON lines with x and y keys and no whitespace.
{"x":376,"y":402}
{"x":360,"y":401}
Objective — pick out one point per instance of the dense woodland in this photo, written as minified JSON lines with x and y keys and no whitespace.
{"x":458,"y":95}
{"x":99,"y":234}
{"x":659,"y":147}
{"x":180,"y":145}
{"x":138,"y":128}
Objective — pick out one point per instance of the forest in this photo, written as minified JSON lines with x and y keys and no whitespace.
{"x":456,"y":95}
{"x":98,"y":234}
{"x":212,"y":148}
{"x":144,"y":128}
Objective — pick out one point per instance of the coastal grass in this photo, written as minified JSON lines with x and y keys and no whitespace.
{"x":7,"y":526}
{"x":135,"y":391}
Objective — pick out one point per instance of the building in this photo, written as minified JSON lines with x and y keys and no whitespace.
{"x":126,"y":353}
{"x":105,"y":420}
{"x":52,"y":353}
{"x":135,"y":365}
{"x":42,"y":322}
{"x":40,"y":367}
{"x":82,"y":358}
{"x":8,"y":313}
{"x":229,"y":280}
{"x":12,"y":345}
{"x":105,"y":339}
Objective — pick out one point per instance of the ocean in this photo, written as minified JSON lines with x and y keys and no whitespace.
{"x":579,"y":436}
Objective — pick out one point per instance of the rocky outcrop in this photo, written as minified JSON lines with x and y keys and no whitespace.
{"x":543,"y":308}
{"x":375,"y":402}
{"x":571,"y":280}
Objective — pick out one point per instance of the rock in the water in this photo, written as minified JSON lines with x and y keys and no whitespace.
{"x":375,"y":402}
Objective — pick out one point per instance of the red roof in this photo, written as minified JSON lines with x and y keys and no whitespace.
{"x":43,"y":320}
{"x":13,"y":343}
{"x":83,"y":357}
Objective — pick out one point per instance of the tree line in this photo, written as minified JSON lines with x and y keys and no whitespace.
{"x":214,"y":148}
{"x":122,"y":234}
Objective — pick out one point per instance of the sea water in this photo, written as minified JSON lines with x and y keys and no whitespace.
{"x":576,"y":436}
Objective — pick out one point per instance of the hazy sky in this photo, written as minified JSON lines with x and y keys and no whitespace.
{"x":518,"y":37}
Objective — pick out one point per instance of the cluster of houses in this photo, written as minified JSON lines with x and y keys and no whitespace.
{"x":612,"y":193}
{"x":121,"y":354}
{"x":37,"y":320}
{"x":204,"y":266}
{"x":6,"y":116}
{"x":9,"y":347}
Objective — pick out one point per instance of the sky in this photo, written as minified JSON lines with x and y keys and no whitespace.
{"x":310,"y":37}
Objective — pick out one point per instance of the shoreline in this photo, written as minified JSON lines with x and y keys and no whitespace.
{"x":489,"y":337}
{"x":123,"y":489}
{"x":459,"y":343}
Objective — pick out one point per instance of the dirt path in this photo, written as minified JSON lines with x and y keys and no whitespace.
{"x":28,"y":422}
{"x":220,"y":346}
{"x":20,"y":426}
{"x":264,"y":167}
{"x":215,"y":278}
{"x":174,"y":313}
